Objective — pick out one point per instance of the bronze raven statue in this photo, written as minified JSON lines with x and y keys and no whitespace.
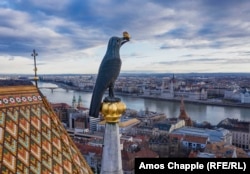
{"x":108,"y":72}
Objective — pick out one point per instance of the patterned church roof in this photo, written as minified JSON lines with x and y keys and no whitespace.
{"x":32,"y":138}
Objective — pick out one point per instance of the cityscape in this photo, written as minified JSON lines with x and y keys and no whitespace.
{"x":124,"y":87}
{"x":150,"y":133}
{"x":219,"y":88}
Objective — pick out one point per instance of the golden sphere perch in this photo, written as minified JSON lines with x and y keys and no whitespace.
{"x":112,"y":111}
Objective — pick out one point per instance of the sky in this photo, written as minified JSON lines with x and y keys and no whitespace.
{"x":167,"y":36}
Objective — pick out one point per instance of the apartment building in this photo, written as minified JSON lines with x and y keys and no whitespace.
{"x":240,"y":132}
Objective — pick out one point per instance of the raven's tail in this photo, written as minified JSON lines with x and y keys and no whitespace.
{"x":95,"y":105}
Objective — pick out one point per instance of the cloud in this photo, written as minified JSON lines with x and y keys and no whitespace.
{"x":48,"y":4}
{"x":195,"y":32}
{"x":11,"y":58}
{"x":52,"y":35}
{"x":203,"y":24}
{"x":192,"y":61}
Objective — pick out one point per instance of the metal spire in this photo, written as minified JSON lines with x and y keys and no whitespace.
{"x":34,"y":54}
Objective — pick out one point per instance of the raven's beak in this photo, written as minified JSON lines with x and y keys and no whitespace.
{"x":125,"y":37}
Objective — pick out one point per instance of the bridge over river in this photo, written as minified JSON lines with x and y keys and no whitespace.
{"x":51,"y":88}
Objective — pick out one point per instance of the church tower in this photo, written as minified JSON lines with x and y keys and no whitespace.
{"x":171,"y":88}
{"x":74,"y":104}
{"x":80,"y":102}
{"x":183,"y":114}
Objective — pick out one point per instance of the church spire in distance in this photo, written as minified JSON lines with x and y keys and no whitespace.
{"x":183,"y":114}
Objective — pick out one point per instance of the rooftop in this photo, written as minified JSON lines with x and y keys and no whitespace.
{"x":235,"y":124}
{"x":224,"y":150}
{"x":195,"y":139}
{"x":214,"y":135}
{"x":125,"y":123}
{"x":32,"y":138}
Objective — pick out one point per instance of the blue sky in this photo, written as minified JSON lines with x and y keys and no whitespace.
{"x":167,"y":36}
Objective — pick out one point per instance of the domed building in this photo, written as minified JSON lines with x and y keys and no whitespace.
{"x":32,"y":138}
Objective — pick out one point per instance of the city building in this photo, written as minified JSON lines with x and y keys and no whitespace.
{"x":240,"y":132}
{"x":167,"y":145}
{"x":61,"y":110}
{"x":177,"y":90}
{"x":92,"y":154}
{"x":134,"y":150}
{"x":198,"y":154}
{"x":234,"y":95}
{"x":168,"y":125}
{"x":195,"y":142}
{"x":223,"y":150}
{"x":125,"y":125}
{"x":32,"y":138}
{"x":245,"y":96}
{"x":214,"y":135}
{"x":157,"y":125}
{"x":168,"y":91}
{"x":93,"y":123}
{"x":78,"y":119}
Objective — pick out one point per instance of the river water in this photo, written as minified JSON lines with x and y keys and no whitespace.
{"x":197,"y":112}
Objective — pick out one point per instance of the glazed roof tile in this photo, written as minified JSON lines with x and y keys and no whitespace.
{"x":32,"y":138}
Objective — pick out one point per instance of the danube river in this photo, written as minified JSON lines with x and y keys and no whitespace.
{"x":197,"y":112}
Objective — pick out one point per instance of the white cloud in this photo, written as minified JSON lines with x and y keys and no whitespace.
{"x":71,"y":39}
{"x":16,"y":65}
{"x":50,"y":4}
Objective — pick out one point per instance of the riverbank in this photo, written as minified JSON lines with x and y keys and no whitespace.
{"x":203,"y":102}
{"x":212,"y":102}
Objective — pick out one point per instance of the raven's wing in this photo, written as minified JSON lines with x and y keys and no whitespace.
{"x":108,"y":73}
